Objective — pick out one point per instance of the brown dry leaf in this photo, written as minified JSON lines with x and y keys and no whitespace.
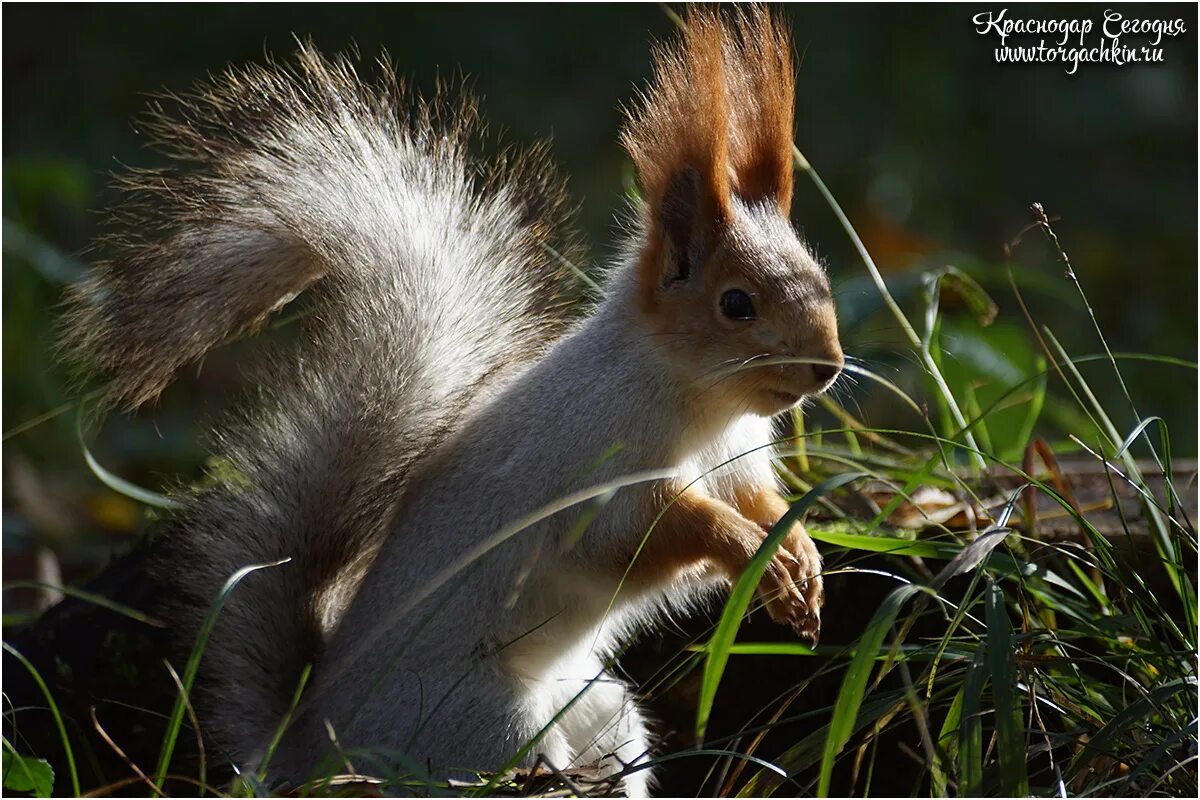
{"x":926,"y":506}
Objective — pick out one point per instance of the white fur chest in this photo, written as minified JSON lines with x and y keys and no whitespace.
{"x":740,"y":457}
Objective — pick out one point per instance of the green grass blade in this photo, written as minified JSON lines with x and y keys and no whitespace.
{"x":1170,"y":558}
{"x":1169,"y":744}
{"x":283,"y":724}
{"x":1034,"y":411}
{"x":1044,"y":223}
{"x":978,"y":418}
{"x":30,"y":424}
{"x":489,"y":789}
{"x":971,"y":556}
{"x":768,"y":649}
{"x":54,"y":712}
{"x":905,"y":653}
{"x":193,"y":665}
{"x":705,"y":751}
{"x":1002,"y":664}
{"x":854,"y":685}
{"x":115,"y":482}
{"x":947,"y":743}
{"x":1129,"y":719}
{"x":94,"y":599}
{"x":889,"y":545}
{"x":1135,"y":433}
{"x":807,"y":752}
{"x":743,"y":592}
{"x":596,"y":289}
{"x":970,"y":731}
{"x":906,"y":326}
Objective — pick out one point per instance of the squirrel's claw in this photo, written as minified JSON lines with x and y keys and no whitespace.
{"x":793,"y":588}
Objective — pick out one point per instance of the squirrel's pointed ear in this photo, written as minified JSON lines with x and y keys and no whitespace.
{"x":689,"y":216}
{"x":678,"y":138}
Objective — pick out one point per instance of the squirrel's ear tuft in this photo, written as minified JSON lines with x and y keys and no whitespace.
{"x":716,"y":121}
{"x":682,"y":120}
{"x":759,"y":72}
{"x":722,"y":103}
{"x":678,"y":137}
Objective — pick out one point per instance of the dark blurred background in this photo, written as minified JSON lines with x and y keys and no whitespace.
{"x":933,"y":149}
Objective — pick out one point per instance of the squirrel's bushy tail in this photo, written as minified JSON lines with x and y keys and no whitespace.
{"x":430,"y":274}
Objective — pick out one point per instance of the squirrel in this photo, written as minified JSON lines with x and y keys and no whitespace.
{"x":445,"y":388}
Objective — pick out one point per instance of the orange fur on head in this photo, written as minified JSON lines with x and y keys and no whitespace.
{"x":722,"y":104}
{"x":716,"y":122}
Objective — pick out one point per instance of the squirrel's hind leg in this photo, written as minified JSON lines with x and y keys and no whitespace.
{"x":605,"y":727}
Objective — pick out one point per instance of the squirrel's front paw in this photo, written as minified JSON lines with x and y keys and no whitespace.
{"x":806,"y":572}
{"x":797,"y":600}
{"x":791,"y":588}
{"x":784,"y":594}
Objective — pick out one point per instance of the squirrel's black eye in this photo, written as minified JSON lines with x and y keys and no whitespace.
{"x":736,"y":304}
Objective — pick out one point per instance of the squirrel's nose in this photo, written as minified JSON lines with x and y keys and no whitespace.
{"x":825,"y":372}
